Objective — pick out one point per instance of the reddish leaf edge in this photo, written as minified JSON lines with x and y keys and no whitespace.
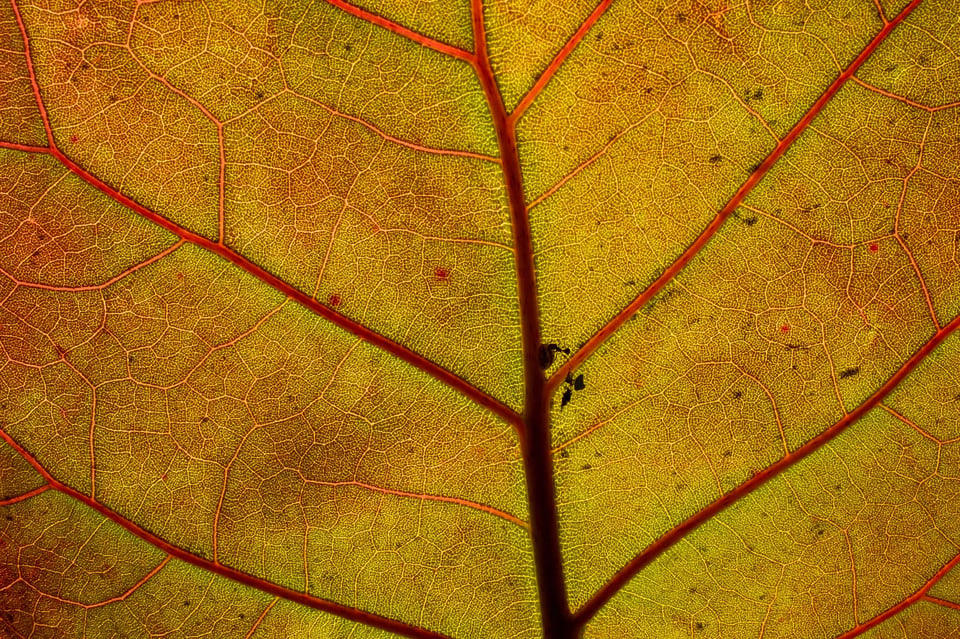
{"x":668,"y":275}
{"x":347,"y":612}
{"x":681,"y":530}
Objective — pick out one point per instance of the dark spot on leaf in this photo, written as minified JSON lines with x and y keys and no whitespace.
{"x":567,"y":394}
{"x":186,"y":603}
{"x":630,"y":283}
{"x":755,"y":167}
{"x":586,"y":467}
{"x":699,"y":626}
{"x":84,"y":66}
{"x":578,"y":383}
{"x":546,"y":355}
{"x":241,"y":616}
{"x":727,"y":453}
{"x":564,"y":453}
{"x":849,"y":372}
{"x":716,"y":159}
{"x":750,"y":221}
{"x":737,"y":394}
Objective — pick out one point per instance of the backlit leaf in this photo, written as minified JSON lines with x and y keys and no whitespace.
{"x":480,"y":318}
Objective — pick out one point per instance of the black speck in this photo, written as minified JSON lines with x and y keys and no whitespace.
{"x":755,"y":167}
{"x":716,"y":159}
{"x":750,"y":221}
{"x":849,"y":372}
{"x":564,"y":453}
{"x":567,"y":394}
{"x":727,"y":453}
{"x":241,"y":616}
{"x":737,"y":394}
{"x":186,"y":603}
{"x":586,"y":467}
{"x":578,"y":383}
{"x":546,"y":354}
{"x":699,"y":626}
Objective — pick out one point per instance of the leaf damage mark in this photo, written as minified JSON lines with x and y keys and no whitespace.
{"x":849,"y":372}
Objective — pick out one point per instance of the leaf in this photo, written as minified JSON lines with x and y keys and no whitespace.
{"x":490,"y":319}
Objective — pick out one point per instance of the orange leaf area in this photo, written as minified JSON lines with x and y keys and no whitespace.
{"x":600,"y":319}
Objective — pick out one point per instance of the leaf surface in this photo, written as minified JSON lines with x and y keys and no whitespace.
{"x":490,"y":319}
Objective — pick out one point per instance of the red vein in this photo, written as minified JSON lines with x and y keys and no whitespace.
{"x":919,"y":595}
{"x":558,"y":60}
{"x":905,"y":100}
{"x":941,"y":602}
{"x":414,"y":359}
{"x":29,"y":148}
{"x":392,"y":138}
{"x":403,"y":493}
{"x":681,"y":530}
{"x":122,"y":597}
{"x":102,"y":285}
{"x":681,"y":262}
{"x":535,"y":438}
{"x":32,"y":73}
{"x":25,"y":496}
{"x":256,"y":624}
{"x":400,"y":30}
{"x":402,"y":352}
{"x":347,"y":612}
{"x":583,"y":165}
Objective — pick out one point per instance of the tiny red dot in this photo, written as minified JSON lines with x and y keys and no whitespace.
{"x":74,"y":138}
{"x":874,"y":248}
{"x":179,"y":277}
{"x":785,"y":328}
{"x":441,"y":273}
{"x":163,"y":477}
{"x":334,"y":300}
